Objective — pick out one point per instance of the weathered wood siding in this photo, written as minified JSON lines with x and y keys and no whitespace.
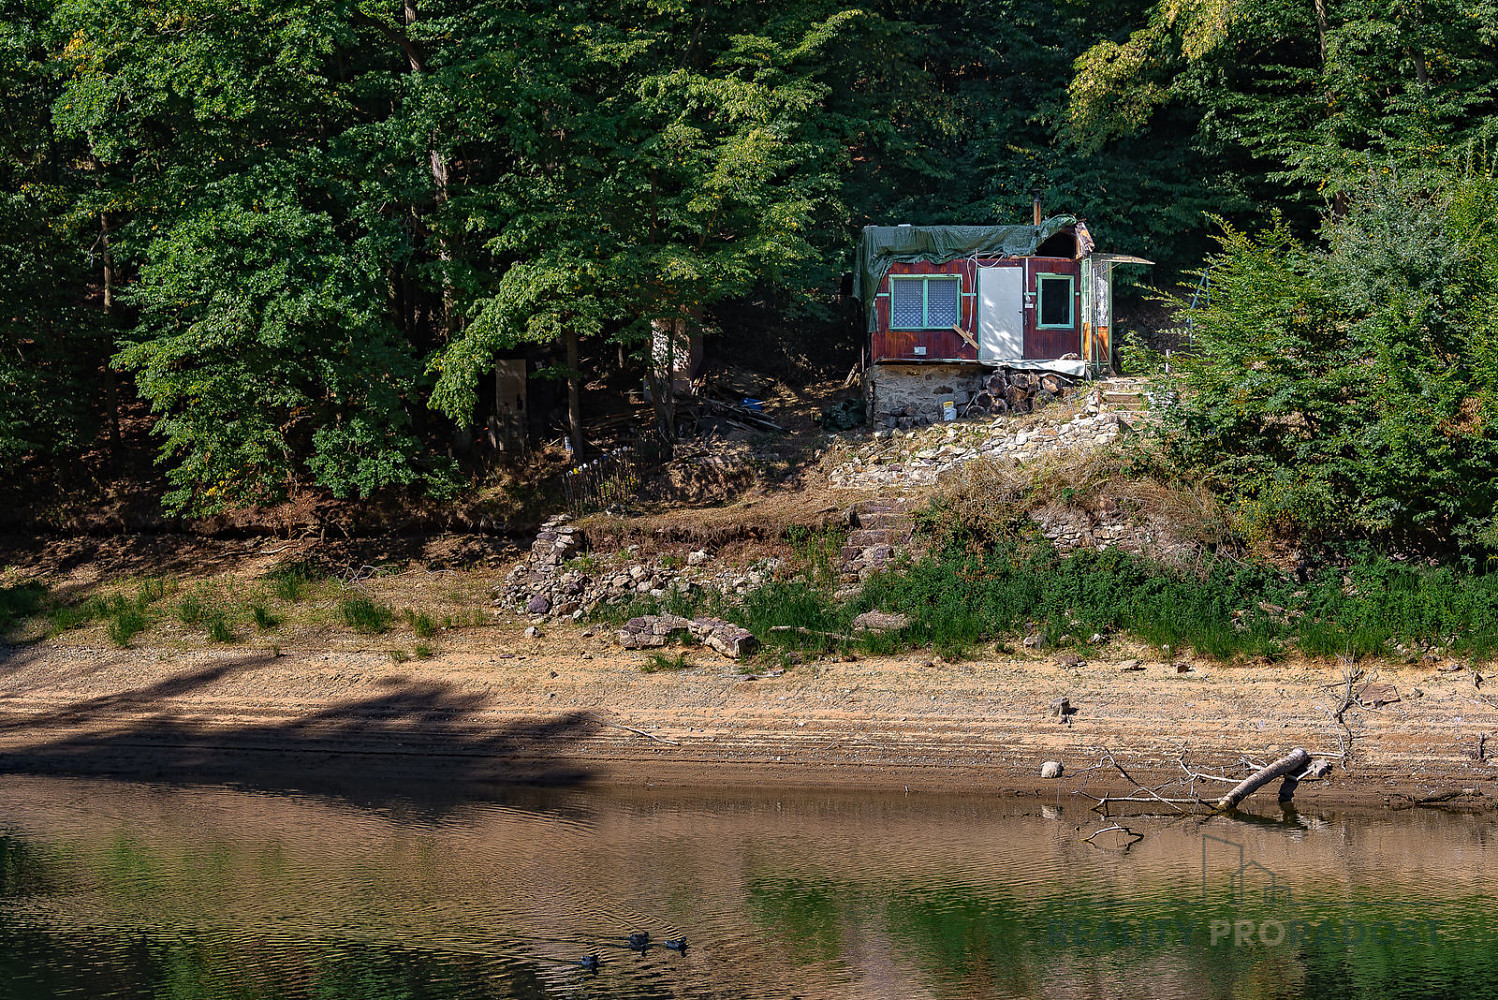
{"x":941,"y":345}
{"x":947,"y":345}
{"x":1048,"y":345}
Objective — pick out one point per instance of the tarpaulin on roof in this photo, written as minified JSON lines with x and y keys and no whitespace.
{"x":881,"y":246}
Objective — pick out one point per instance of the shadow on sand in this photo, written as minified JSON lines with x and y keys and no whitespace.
{"x":415,"y":741}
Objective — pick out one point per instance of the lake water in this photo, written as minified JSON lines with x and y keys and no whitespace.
{"x":116,"y":889}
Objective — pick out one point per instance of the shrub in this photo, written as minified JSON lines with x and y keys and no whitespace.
{"x":1344,"y":390}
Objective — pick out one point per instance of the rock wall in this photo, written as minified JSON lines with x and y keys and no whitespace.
{"x":905,"y":396}
{"x":916,"y":392}
{"x":1071,"y":530}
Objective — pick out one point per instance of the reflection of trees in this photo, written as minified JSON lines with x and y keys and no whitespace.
{"x":122,"y":890}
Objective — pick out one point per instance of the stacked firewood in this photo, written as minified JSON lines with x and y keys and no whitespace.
{"x":1010,"y":391}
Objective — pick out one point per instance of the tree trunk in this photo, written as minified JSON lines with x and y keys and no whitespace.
{"x":1287,"y":767}
{"x":111,"y":389}
{"x":1323,"y":25}
{"x":440,"y":182}
{"x":663,"y":357}
{"x":574,"y":396}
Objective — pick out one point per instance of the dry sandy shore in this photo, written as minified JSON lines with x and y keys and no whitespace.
{"x":570,"y":707}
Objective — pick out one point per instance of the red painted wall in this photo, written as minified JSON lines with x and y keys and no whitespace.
{"x":947,"y":345}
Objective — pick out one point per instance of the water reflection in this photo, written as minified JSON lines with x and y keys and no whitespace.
{"x":134,"y":890}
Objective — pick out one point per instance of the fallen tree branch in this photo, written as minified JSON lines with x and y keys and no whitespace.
{"x":1286,"y":767}
{"x":805,"y":631}
{"x":632,"y":729}
{"x":1115,"y":828}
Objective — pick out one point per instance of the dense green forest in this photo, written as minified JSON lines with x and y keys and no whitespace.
{"x":299,"y":231}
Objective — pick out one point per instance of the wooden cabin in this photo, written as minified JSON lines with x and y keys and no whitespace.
{"x":944,"y":305}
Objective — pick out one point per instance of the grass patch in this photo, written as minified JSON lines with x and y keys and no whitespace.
{"x":817,"y":553}
{"x":150,"y":590}
{"x":464,"y":619}
{"x":660,"y":661}
{"x":125,"y":624}
{"x":19,"y":603}
{"x":421,"y":624}
{"x":291,"y":583}
{"x":219,"y":629}
{"x":264,"y":620}
{"x":423,"y":651}
{"x":399,"y":656}
{"x":967,"y":596}
{"x":363,"y":615}
{"x":191,"y":610}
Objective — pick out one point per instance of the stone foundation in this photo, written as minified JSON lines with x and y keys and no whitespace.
{"x":916,"y":392}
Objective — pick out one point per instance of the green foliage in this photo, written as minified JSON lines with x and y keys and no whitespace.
{"x":262,"y":347}
{"x":363,"y":615}
{"x":264,"y":619}
{"x":219,"y":629}
{"x":191,"y":609}
{"x":18,"y":603}
{"x":660,"y":661}
{"x":1347,"y":389}
{"x":290,"y":583}
{"x":660,"y":181}
{"x":1313,"y":91}
{"x":421,"y":624}
{"x":125,"y":624}
{"x":817,"y":553}
{"x":960,"y":599}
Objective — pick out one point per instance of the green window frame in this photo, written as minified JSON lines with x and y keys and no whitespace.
{"x":1070,"y":300}
{"x":927,"y":321}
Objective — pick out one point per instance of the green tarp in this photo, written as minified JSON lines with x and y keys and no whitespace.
{"x":881,"y":246}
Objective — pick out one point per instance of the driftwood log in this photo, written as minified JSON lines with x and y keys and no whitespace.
{"x":1288,"y":767}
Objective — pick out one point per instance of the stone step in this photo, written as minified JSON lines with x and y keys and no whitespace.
{"x":864,"y":537}
{"x":891,"y":521}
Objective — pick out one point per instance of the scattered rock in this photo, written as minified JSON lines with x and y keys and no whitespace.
{"x":879,"y":621}
{"x":532,"y":632}
{"x":698,"y":558}
{"x":1061,"y":708}
{"x":538,"y":605}
{"x":1130,"y":665}
{"x":1183,"y":667}
{"x":1069,"y":660}
{"x":726,"y":637}
{"x":650,"y":631}
{"x":1051,"y":769}
{"x":1376,"y":695}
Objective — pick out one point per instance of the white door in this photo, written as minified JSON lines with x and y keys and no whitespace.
{"x":1001,"y":314}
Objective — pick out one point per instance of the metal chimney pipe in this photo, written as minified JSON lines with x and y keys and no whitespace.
{"x":1035,"y":205}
